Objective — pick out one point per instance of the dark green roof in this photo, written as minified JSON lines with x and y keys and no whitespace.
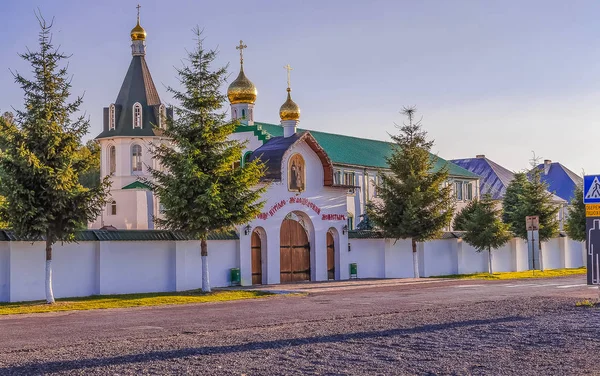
{"x":137,"y":87}
{"x":125,"y":235}
{"x":349,"y":150}
{"x":137,"y":185}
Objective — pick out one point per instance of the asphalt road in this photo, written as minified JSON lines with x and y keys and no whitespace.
{"x":357,"y":328}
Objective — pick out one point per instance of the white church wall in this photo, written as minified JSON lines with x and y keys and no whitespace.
{"x":574,"y":252}
{"x":471,"y":261}
{"x":503,"y":258}
{"x":521,"y":254}
{"x":369,"y":256}
{"x":440,"y":257}
{"x":398,"y":259}
{"x":552,"y":256}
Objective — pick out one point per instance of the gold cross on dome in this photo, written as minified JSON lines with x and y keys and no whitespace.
{"x":289,"y":69}
{"x":241,"y":48}
{"x":138,"y":8}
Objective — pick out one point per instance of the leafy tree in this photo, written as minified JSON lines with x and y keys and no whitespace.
{"x":416,"y":201}
{"x":576,"y":222}
{"x":485,"y":231}
{"x":201,"y":188}
{"x":91,"y":178}
{"x":43,"y":158}
{"x":528,"y":196}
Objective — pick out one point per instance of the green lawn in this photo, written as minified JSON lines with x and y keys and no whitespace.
{"x":128,"y":300}
{"x":518,"y":275}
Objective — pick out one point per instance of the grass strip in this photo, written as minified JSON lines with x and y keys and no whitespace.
{"x":128,"y":300}
{"x":518,"y":275}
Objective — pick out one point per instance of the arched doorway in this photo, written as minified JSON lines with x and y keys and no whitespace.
{"x":330,"y":256}
{"x":294,"y":252}
{"x":256,"y":249}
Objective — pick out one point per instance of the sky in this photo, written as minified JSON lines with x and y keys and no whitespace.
{"x":502,"y":78}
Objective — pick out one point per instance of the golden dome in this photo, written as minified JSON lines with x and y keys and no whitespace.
{"x":242,"y":90}
{"x":289,"y":110}
{"x":138,"y":32}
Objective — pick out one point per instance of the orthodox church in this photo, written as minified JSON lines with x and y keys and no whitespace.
{"x":319,"y":183}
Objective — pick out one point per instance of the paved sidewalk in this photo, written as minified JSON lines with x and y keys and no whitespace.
{"x":353,"y":284}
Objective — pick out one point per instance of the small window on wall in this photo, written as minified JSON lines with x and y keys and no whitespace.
{"x":349,"y":178}
{"x":113,"y":208}
{"x":137,"y":115}
{"x":458,"y":190}
{"x":243,"y":114}
{"x":337,"y":177}
{"x":469,"y":192}
{"x":112,"y":159}
{"x":136,"y":158}
{"x":350,"y":221}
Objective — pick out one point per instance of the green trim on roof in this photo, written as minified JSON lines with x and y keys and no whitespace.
{"x":355,"y":151}
{"x":137,"y":185}
{"x":125,"y":235}
{"x":259,"y":133}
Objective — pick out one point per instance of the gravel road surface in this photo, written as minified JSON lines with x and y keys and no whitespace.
{"x":444,"y":328}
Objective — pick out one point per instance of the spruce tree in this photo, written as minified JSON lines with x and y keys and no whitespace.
{"x":416,"y":200}
{"x":201,"y":187}
{"x":529,"y":196}
{"x":576,"y":222}
{"x":43,"y":157}
{"x":484,"y":230}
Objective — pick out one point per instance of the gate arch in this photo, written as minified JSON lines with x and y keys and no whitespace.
{"x":295,"y":249}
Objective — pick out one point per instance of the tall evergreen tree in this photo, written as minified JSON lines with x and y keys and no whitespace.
{"x":576,"y":222}
{"x":529,"y":196}
{"x":43,"y":157}
{"x":482,"y":222}
{"x":416,"y":201}
{"x":201,"y":187}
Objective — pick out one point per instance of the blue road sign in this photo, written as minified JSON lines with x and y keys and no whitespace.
{"x":591,"y":189}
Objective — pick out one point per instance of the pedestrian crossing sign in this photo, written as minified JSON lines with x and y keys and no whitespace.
{"x":591,"y":189}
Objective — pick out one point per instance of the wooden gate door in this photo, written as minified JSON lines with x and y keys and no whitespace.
{"x":256,"y":259}
{"x":294,"y":252}
{"x":330,"y":257}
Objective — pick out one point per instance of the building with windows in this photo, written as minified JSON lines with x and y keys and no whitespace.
{"x":319,"y":183}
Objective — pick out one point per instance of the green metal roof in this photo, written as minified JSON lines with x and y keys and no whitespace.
{"x":351,"y":150}
{"x":137,"y":185}
{"x":125,"y":235}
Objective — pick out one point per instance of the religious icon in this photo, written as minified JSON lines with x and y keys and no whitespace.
{"x":296,"y":173}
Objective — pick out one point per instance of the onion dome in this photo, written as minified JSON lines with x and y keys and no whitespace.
{"x":242,"y":90}
{"x":138,"y":32}
{"x":289,"y":110}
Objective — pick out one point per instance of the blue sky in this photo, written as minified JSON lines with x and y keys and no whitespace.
{"x":501,"y":78}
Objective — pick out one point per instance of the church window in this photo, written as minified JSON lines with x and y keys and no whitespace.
{"x":337,"y":177}
{"x":246,"y":158}
{"x":350,"y":221}
{"x":136,"y":158}
{"x":112,"y":159}
{"x":243,"y":114}
{"x":458,"y":190}
{"x":296,"y":173}
{"x":113,"y":208}
{"x":111,"y":117}
{"x":349,"y":178}
{"x":162,"y":117}
{"x":137,"y":115}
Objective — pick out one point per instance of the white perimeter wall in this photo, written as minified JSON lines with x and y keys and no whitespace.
{"x":111,"y":267}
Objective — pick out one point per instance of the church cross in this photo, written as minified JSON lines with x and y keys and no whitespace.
{"x":289,"y":69}
{"x":138,"y":9}
{"x":241,"y":48}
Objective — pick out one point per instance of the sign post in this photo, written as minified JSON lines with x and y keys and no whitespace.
{"x":591,"y":199}
{"x":532,"y":223}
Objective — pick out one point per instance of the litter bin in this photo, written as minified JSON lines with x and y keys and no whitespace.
{"x":353,"y":270}
{"x":234,"y":277}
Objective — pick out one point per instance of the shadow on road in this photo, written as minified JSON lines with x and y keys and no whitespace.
{"x":58,"y":366}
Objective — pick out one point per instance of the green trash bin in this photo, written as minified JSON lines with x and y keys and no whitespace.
{"x":353,"y":270}
{"x":234,"y":277}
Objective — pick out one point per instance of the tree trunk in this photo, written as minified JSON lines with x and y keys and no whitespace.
{"x":490,"y":260}
{"x":415,"y":259}
{"x":49,"y":293}
{"x":204,"y":256}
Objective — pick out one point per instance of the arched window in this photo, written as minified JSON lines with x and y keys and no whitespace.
{"x":246,"y":158}
{"x":113,"y":208}
{"x":162,"y":117}
{"x":112,"y":159}
{"x":136,"y":158}
{"x":296,"y":173}
{"x":137,"y":115}
{"x":243,"y":114}
{"x":111,"y":117}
